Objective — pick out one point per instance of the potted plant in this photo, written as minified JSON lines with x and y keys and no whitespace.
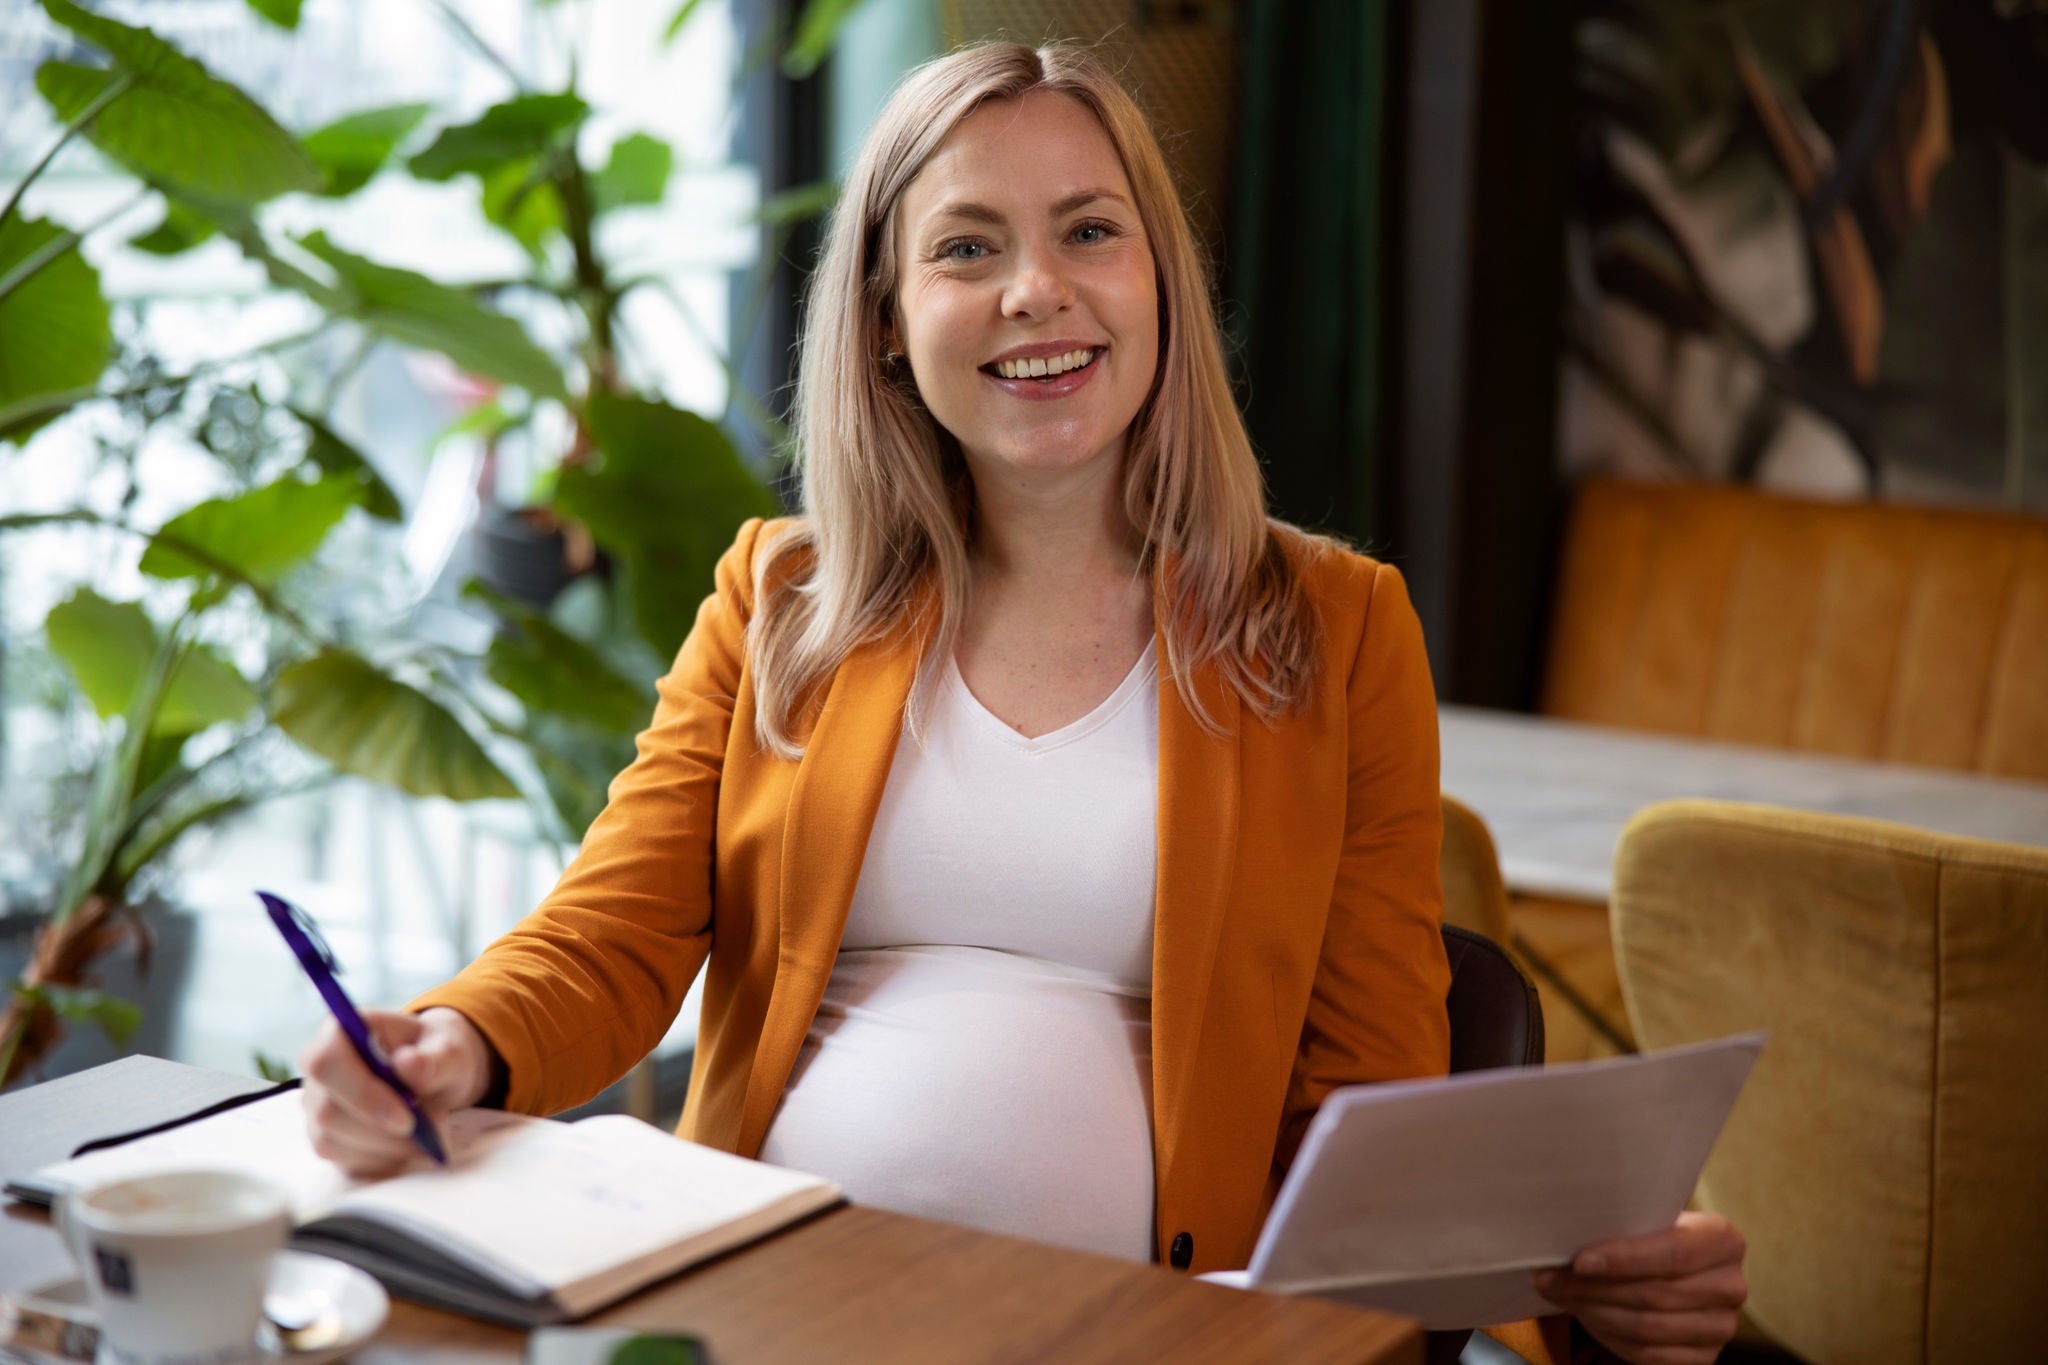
{"x":193,"y":731}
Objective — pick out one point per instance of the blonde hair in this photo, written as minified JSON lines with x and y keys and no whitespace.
{"x":886,"y":493}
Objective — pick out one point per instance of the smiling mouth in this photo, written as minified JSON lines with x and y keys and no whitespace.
{"x":1045,"y":368}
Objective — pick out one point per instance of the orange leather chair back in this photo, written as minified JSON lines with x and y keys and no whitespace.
{"x":1913,"y":635}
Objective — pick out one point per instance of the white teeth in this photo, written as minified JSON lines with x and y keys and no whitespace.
{"x":1045,"y":365}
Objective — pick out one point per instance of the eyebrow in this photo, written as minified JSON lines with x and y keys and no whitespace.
{"x":982,"y":213}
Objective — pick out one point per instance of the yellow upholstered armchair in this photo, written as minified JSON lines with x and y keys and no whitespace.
{"x":1889,"y":1158}
{"x":1475,"y":898}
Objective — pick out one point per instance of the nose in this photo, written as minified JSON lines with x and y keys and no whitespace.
{"x":1038,"y":288}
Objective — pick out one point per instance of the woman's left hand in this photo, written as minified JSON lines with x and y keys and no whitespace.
{"x":1669,"y":1298}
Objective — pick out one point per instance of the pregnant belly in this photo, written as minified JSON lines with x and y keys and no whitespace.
{"x":979,"y":1087}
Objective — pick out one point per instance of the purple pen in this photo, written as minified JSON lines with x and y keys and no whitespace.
{"x":310,"y":947}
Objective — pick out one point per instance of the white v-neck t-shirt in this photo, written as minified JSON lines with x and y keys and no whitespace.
{"x":983,"y":1051}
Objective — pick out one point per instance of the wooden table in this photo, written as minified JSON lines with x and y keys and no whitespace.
{"x":1555,"y":794}
{"x":856,"y":1284}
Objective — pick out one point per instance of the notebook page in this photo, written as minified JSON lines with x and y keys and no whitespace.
{"x":559,"y":1203}
{"x":266,"y":1139}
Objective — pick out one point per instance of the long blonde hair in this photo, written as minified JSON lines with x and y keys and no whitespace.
{"x":886,"y":493}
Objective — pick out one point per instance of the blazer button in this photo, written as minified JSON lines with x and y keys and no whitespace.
{"x":1182,"y":1253}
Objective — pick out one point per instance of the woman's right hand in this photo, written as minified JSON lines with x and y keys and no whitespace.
{"x":357,"y":1121}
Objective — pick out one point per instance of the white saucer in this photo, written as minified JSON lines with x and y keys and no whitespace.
{"x":355,"y":1304}
{"x":352,"y":1303}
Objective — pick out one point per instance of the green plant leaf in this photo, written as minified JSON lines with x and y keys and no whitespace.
{"x":816,"y":31}
{"x":283,"y":13}
{"x":108,"y":647}
{"x":409,"y":307}
{"x":666,"y":498}
{"x":260,"y":533}
{"x":652,"y":1350}
{"x":182,"y":228}
{"x":177,"y":123}
{"x":336,"y":456}
{"x":681,"y":17}
{"x":798,"y":204}
{"x":338,"y":706}
{"x":56,"y":331}
{"x":637,"y":172}
{"x":352,"y":149}
{"x":519,"y":198}
{"x":116,"y":1017}
{"x":517,"y":130}
{"x":114,"y":784}
{"x":552,"y":671}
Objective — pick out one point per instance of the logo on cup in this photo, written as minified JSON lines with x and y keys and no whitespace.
{"x":116,"y":1274}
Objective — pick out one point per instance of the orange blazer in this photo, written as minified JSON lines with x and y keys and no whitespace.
{"x":1296,"y":942}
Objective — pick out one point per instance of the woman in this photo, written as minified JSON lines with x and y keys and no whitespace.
{"x":1057,"y":830}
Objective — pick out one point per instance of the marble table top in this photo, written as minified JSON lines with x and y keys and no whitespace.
{"x":1556,"y":793}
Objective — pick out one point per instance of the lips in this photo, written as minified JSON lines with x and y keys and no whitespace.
{"x":1049,"y":387}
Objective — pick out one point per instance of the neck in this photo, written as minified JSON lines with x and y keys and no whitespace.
{"x":1061,"y":529}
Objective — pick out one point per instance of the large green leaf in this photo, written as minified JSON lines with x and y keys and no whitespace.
{"x":367,"y":724}
{"x":336,"y":456}
{"x":636,"y":173}
{"x":352,"y":149}
{"x":409,"y":307}
{"x":519,"y":198}
{"x":517,"y":130}
{"x":552,"y":671}
{"x":176,"y":123}
{"x":108,"y":647}
{"x":666,"y":497}
{"x":260,"y":533}
{"x":55,"y":328}
{"x":182,"y":228}
{"x":283,"y":13}
{"x":816,"y":30}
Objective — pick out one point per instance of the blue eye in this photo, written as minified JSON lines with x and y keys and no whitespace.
{"x":963,"y":249}
{"x":1103,"y":232}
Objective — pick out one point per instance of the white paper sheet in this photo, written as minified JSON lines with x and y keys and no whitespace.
{"x":1436,"y":1198}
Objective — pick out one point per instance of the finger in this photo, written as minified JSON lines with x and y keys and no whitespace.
{"x":1695,"y":1242}
{"x":432,"y":1065}
{"x":1720,"y":1287}
{"x":335,"y":1074}
{"x":339,"y":1137}
{"x":360,"y":1159}
{"x":393,"y":1029}
{"x":1636,"y":1327}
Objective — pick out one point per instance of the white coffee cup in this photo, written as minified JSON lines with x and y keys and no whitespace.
{"x":176,"y":1263}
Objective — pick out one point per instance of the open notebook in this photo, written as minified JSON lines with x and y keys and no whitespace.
{"x":532,"y":1221}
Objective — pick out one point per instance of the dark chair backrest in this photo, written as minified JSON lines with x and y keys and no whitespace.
{"x":1496,"y":1018}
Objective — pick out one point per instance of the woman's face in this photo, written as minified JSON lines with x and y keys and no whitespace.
{"x":1027,"y":303}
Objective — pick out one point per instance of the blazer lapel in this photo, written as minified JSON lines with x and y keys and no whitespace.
{"x":832,"y":806}
{"x":1198,"y":829}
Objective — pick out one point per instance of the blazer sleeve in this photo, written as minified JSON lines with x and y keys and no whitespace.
{"x":585,"y":986}
{"x":1376,"y":1010}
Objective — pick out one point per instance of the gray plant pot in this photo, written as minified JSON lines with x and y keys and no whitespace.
{"x":174,"y":934}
